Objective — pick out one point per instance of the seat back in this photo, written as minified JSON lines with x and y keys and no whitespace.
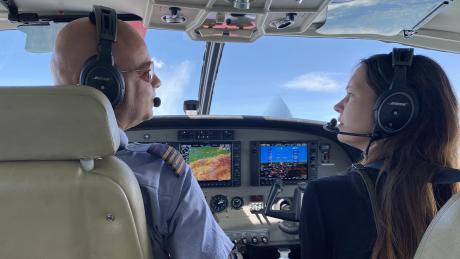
{"x":62,"y":192}
{"x":442,"y":238}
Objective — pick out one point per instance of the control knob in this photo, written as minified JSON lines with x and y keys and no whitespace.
{"x":264,"y":239}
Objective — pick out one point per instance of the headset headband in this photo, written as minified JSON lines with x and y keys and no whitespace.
{"x":105,"y":19}
{"x":100,"y":71}
{"x":401,"y":61}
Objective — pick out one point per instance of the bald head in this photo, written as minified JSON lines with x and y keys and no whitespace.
{"x":77,"y":41}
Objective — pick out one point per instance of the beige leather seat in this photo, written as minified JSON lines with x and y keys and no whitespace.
{"x":62,"y":192}
{"x":442,"y":238}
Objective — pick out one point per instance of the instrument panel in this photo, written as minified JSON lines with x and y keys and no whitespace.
{"x":236,"y":164}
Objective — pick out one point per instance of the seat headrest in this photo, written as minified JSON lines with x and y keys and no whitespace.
{"x":56,"y":123}
{"x":441,"y":238}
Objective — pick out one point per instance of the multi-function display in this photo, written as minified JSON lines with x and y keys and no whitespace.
{"x":209,"y":162}
{"x":288,"y":161}
{"x":213,"y":164}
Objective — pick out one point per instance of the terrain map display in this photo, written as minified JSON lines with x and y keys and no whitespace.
{"x":210,"y":163}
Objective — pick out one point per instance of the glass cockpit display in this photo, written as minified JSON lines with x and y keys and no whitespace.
{"x":209,"y":161}
{"x":286,"y":161}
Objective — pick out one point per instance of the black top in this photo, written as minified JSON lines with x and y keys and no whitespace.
{"x":337,"y":220}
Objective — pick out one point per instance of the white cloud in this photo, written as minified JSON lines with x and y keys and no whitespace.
{"x":172,"y":90}
{"x":314,"y":82}
{"x":158,"y":63}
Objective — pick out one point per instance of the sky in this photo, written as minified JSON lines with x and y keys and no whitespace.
{"x":274,"y":76}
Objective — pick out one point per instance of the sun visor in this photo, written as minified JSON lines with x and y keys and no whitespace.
{"x":40,"y":38}
{"x":381,"y":17}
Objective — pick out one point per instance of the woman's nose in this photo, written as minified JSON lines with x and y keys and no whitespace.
{"x":338,"y":107}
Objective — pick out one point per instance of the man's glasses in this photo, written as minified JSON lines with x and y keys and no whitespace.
{"x":145,"y":74}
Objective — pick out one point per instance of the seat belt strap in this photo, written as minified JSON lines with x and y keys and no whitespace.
{"x":370,"y":186}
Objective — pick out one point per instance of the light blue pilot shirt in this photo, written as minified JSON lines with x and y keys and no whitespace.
{"x":180,"y":222}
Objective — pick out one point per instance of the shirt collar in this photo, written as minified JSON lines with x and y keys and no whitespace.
{"x":123,"y":139}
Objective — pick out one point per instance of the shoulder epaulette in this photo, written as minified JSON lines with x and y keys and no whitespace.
{"x":169,"y":155}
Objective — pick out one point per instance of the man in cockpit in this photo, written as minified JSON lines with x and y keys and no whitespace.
{"x":180,"y":222}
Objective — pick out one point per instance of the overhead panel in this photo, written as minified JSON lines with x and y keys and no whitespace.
{"x":296,"y":5}
{"x":248,"y":20}
{"x":292,"y":16}
{"x":277,"y":23}
{"x":173,"y":17}
{"x":229,"y":26}
{"x":201,"y":4}
{"x":240,"y":5}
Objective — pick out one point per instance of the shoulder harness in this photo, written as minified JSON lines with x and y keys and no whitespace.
{"x":170,"y":155}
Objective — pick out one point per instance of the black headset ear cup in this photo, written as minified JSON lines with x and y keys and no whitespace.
{"x":104,"y":77}
{"x":395,"y":109}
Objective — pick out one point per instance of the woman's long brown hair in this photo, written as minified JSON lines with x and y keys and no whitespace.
{"x":407,"y":198}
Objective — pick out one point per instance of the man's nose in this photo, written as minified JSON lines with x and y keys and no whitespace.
{"x":156,"y":82}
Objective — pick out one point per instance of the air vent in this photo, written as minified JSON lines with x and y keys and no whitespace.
{"x":283,"y":23}
{"x":240,"y":4}
{"x":175,"y":17}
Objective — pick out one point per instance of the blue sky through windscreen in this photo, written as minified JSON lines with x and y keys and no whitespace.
{"x":19,"y":67}
{"x":280,"y":76}
{"x":308,"y":75}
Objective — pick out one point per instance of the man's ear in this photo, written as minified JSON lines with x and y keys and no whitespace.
{"x":56,"y":78}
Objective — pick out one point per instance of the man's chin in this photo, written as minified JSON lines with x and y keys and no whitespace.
{"x":149,"y":115}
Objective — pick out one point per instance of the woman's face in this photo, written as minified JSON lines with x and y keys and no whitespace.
{"x":355,"y":110}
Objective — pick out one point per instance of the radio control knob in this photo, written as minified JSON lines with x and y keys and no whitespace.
{"x":264,"y":239}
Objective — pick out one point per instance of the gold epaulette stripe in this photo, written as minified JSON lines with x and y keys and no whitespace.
{"x":181,"y":167}
{"x":172,"y":157}
{"x":167,"y":152}
{"x":175,"y":164}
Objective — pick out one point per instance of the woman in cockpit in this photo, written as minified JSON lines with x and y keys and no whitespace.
{"x":404,"y":118}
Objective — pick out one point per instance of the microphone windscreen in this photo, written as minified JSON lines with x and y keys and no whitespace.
{"x":333,"y":123}
{"x":156,"y":102}
{"x":331,"y":126}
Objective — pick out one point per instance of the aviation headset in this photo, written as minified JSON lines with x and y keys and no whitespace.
{"x":100,"y":71}
{"x":398,"y":106}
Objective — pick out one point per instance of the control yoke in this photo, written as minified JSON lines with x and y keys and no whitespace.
{"x":292,"y":212}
